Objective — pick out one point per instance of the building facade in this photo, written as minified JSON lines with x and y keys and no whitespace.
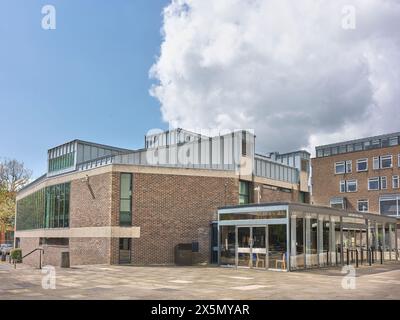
{"x":360,"y":175}
{"x":107,"y":205}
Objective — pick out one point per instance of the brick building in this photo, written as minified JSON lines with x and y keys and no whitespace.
{"x":115,"y":206}
{"x":6,"y":234}
{"x":359,"y":175}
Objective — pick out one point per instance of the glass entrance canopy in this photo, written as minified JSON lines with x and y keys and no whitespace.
{"x":290,"y":236}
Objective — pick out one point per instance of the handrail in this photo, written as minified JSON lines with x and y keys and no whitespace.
{"x":40,"y":256}
{"x":41,"y":249}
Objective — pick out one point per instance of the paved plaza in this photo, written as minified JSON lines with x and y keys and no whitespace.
{"x":128,"y":282}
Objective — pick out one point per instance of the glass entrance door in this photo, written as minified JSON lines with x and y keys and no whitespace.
{"x":259,"y":248}
{"x":251,"y":247}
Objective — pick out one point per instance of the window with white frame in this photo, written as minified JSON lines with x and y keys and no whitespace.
{"x":373,"y":184}
{"x":383,"y":183}
{"x":362,"y":205}
{"x":398,"y":160}
{"x":351,"y":185}
{"x":340,"y":167}
{"x":375,"y":163}
{"x":338,"y":203}
{"x":386,"y":162}
{"x":362,"y":165}
{"x":395,"y":182}
{"x":349,"y":166}
{"x":342,"y":186}
{"x":389,"y":205}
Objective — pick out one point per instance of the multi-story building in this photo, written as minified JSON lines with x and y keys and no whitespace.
{"x":103,"y":204}
{"x":359,"y":175}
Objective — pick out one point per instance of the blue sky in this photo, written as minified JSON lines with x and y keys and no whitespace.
{"x":88,"y":79}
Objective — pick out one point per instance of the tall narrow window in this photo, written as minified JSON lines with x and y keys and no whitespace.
{"x":342,"y":186}
{"x":349,"y":166}
{"x":125,"y":202}
{"x":244,"y":192}
{"x":375,"y":164}
{"x":383,"y":183}
{"x":395,"y":182}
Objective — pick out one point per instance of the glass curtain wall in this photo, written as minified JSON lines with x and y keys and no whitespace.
{"x":46,"y":208}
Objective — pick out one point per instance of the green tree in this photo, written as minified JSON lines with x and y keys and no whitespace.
{"x":13,"y":176}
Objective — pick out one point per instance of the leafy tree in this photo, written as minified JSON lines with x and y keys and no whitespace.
{"x":13,"y":176}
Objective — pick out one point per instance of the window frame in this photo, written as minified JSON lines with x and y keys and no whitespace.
{"x":358,"y":205}
{"x":348,"y":183}
{"x":381,"y":179}
{"x":362,"y":161}
{"x":340,"y":163}
{"x":244,"y":194}
{"x":334,"y":201}
{"x":129,"y":223}
{"x":374,"y":178}
{"x":376,"y":163}
{"x":396,"y":177}
{"x":385,"y":158}
{"x":395,"y":198}
{"x":342,"y":183}
{"x":349,"y":162}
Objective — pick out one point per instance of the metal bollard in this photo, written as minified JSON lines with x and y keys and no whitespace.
{"x":347,"y":256}
{"x":362,"y":256}
{"x":369,"y":256}
{"x":380,"y":249}
{"x":356,"y":258}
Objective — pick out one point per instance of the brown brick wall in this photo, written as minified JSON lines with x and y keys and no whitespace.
{"x":173,"y":209}
{"x":272,"y":194}
{"x":27,"y":245}
{"x":89,"y":251}
{"x":86,"y":211}
{"x":52,"y":255}
{"x":325,"y":183}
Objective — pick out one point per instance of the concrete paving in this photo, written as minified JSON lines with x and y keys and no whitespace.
{"x":128,"y":282}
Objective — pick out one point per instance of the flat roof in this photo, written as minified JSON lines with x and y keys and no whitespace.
{"x":382,"y":136}
{"x":94,"y":144}
{"x":311,"y":209}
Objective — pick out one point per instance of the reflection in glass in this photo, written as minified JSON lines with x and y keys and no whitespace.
{"x":297,"y":243}
{"x":259,"y":247}
{"x":277,"y":246}
{"x":244,"y":243}
{"x":227,"y":245}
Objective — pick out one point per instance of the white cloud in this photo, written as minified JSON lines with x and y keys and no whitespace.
{"x":285,"y":68}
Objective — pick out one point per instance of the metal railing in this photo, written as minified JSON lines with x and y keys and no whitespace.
{"x":41,"y":250}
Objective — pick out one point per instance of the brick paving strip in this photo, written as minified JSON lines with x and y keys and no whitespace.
{"x":127,"y":282}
